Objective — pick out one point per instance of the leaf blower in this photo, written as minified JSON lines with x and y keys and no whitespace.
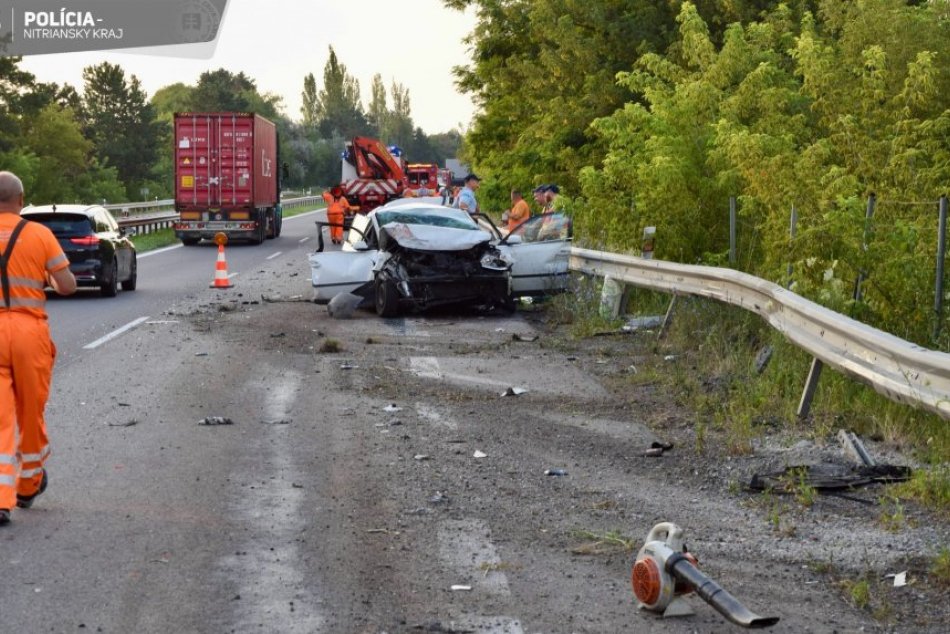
{"x":664,"y":569}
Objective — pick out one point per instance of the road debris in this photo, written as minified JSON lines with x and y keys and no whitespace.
{"x":278,"y":335}
{"x":278,"y":421}
{"x":201,"y":354}
{"x":525,"y":338}
{"x":420,"y":457}
{"x":556,"y":472}
{"x":461,"y":588}
{"x":900,"y":578}
{"x":514,"y":391}
{"x":392,"y":407}
{"x":343,"y":305}
{"x":348,"y":366}
{"x":275,"y":299}
{"x":657,"y":448}
{"x":827,"y":477}
{"x":215,"y":420}
{"x":762,"y":359}
{"x":642,"y":323}
{"x":439,"y":498}
{"x":479,"y":454}
{"x":128,"y":423}
{"x":855,"y":449}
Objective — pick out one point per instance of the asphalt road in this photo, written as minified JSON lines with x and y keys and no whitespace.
{"x":375,"y":480}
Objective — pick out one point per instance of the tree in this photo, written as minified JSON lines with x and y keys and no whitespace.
{"x":223,"y":91}
{"x":121,"y":124}
{"x":400,"y":127}
{"x":311,"y":117}
{"x":65,"y":170}
{"x":378,"y":114}
{"x":338,"y":108}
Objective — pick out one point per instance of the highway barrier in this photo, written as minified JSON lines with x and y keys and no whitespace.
{"x":900,"y":370}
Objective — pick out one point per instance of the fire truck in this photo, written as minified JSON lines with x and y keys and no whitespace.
{"x":423,"y":179}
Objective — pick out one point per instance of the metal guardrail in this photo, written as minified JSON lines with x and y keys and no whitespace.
{"x":135,"y":217}
{"x":901,"y":371}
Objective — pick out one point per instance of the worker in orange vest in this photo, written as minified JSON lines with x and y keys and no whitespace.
{"x":337,"y":207}
{"x":30,"y":259}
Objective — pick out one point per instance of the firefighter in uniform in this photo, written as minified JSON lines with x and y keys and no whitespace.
{"x":337,"y":207}
{"x":30,"y":259}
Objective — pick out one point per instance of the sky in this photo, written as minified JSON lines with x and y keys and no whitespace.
{"x":413,"y":42}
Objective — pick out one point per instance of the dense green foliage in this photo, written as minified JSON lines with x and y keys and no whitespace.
{"x":814,"y":105}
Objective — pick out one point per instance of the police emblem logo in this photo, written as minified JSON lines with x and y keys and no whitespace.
{"x":197,"y":21}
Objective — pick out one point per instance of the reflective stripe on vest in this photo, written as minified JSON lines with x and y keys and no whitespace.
{"x":35,"y":457}
{"x":8,"y":480}
{"x":6,"y":458}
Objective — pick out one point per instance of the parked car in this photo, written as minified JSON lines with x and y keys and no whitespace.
{"x":99,"y":252}
{"x":411,"y":256}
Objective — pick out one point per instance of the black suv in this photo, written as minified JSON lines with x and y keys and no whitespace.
{"x":99,"y":252}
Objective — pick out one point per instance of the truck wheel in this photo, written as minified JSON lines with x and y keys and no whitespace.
{"x":270,"y":226}
{"x":278,"y":223}
{"x":387,"y":298}
{"x":261,"y":234}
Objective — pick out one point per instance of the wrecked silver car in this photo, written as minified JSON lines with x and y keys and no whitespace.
{"x":409,"y":258}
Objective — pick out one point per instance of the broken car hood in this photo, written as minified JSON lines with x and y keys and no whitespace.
{"x":431,"y":238}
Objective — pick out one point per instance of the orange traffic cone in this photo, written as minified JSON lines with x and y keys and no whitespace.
{"x":221,"y":279}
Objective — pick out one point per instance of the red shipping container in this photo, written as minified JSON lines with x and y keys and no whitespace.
{"x":225,"y":161}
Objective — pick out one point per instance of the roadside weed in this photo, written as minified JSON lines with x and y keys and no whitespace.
{"x":940,"y":568}
{"x":929,"y":487}
{"x":602,"y":543}
{"x":330,"y":346}
{"x":859,"y":591}
{"x":892,"y":516}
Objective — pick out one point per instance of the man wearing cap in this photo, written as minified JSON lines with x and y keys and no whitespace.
{"x":466,"y":199}
{"x":538,"y":194}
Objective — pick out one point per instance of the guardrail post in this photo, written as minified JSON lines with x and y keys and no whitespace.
{"x":872,"y":201}
{"x":941,"y":255}
{"x":732,"y":231}
{"x":804,"y":406}
{"x":792,"y":230}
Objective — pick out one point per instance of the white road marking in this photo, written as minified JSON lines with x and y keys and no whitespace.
{"x":157,"y":251}
{"x":274,"y":255}
{"x":434,"y":417}
{"x":115,"y":333}
{"x":302,"y":240}
{"x":466,"y":547}
{"x":266,"y":578}
{"x":428,"y":368}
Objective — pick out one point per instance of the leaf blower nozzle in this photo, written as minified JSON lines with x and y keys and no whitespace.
{"x":664,"y":569}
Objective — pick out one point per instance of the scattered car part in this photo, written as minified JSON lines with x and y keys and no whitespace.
{"x":853,"y":446}
{"x":664,"y":568}
{"x":215,"y":420}
{"x":827,"y":477}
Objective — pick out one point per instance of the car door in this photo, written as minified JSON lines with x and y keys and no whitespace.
{"x":110,"y":231}
{"x":540,"y":248}
{"x":334,"y":272}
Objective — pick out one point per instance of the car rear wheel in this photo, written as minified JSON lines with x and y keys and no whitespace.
{"x":129,"y":284}
{"x":387,"y":299}
{"x":109,"y":283}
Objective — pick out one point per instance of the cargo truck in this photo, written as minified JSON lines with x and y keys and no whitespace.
{"x":227,"y":177}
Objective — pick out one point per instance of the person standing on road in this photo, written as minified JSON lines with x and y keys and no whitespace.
{"x":337,"y":207}
{"x":466,"y":200}
{"x":30,"y":259}
{"x":519,"y":211}
{"x":538,"y":194}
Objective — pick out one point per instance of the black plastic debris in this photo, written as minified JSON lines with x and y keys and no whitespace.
{"x":556,"y":472}
{"x":828,"y":477}
{"x":657,"y":448}
{"x":216,"y":420}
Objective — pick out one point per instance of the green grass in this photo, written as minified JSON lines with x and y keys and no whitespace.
{"x":166,"y":237}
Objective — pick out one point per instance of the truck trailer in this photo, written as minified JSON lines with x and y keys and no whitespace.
{"x":227,"y":177}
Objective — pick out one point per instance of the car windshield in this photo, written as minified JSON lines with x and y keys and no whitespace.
{"x":64,"y":225}
{"x":449,"y":218}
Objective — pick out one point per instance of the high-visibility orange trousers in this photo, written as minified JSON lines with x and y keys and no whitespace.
{"x":26,"y":366}
{"x":335,"y":217}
